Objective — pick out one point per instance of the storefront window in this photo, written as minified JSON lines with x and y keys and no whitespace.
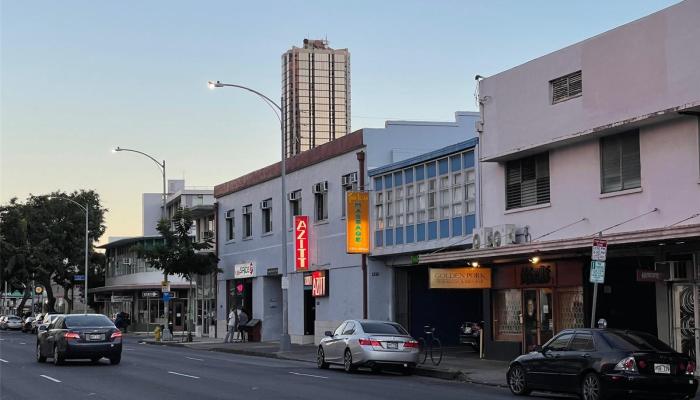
{"x":570,"y":313}
{"x":507,"y":308}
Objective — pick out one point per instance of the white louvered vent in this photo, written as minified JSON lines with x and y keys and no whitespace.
{"x":566,"y":87}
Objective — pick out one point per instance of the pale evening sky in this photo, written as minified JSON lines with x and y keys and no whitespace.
{"x":78,"y":78}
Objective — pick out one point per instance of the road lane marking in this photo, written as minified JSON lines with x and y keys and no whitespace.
{"x":312,"y":376}
{"x":196,"y":359}
{"x":50,"y":378}
{"x":1,"y":360}
{"x":185,"y":375}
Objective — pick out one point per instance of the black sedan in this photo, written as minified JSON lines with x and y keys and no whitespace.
{"x":602,"y":363}
{"x":75,"y":336}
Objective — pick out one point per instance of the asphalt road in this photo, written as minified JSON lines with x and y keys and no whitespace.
{"x":162,"y":372}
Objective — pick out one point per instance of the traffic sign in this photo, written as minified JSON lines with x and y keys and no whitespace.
{"x":597,"y":272}
{"x":166,"y":296}
{"x":165,"y":286}
{"x":78,"y":277}
{"x":600,"y":250}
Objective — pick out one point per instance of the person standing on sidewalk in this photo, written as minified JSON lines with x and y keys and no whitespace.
{"x":232,"y":325}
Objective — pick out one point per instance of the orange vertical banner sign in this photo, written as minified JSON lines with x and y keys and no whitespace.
{"x":357,"y":228}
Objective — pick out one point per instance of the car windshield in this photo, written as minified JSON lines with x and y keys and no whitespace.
{"x":13,"y":318}
{"x":75,"y":321}
{"x":383,"y":328}
{"x":636,"y":341}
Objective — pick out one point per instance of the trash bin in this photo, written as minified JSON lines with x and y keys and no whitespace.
{"x":252,"y":329}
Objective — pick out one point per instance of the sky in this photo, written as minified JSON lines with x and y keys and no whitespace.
{"x":78,"y":78}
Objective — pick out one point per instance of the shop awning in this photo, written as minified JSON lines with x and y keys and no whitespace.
{"x":117,"y":288}
{"x":575,"y":244}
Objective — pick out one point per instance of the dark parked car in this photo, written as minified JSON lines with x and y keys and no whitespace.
{"x":75,"y":336}
{"x":600,"y":363}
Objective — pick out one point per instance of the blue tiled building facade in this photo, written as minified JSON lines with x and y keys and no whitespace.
{"x":425,"y":198}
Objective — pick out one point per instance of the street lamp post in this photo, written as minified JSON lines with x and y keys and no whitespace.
{"x":167,"y":335}
{"x":87,"y":233}
{"x":285,"y":342}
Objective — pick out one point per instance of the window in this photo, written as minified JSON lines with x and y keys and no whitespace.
{"x":349,"y":183}
{"x":339,"y":330}
{"x":559,"y":343}
{"x":230,"y":225}
{"x":266,"y":207}
{"x":349,"y":328}
{"x":507,"y":308}
{"x":294,"y":205}
{"x":248,"y":221}
{"x":379,"y":210}
{"x":470,"y":191}
{"x":527,"y":181}
{"x":431,"y":199}
{"x":321,"y":201}
{"x":566,"y":87}
{"x":619,"y":162}
{"x":582,"y":342}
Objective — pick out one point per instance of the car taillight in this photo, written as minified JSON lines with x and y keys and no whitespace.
{"x":690,"y":369}
{"x":626,"y":364}
{"x":115,"y":335}
{"x":71,"y":335}
{"x":369,"y":342}
{"x":411,"y":344}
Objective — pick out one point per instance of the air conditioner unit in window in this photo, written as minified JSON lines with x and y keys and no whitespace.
{"x":321,"y":187}
{"x":482,"y":238}
{"x":266,"y":204}
{"x":229,"y":213}
{"x":126,"y":261}
{"x":295,"y":195}
{"x":349,"y":179}
{"x":503,"y":235}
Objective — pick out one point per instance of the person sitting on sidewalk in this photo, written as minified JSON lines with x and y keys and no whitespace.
{"x":232,"y":325}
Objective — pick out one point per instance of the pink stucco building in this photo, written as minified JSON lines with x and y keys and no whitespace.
{"x":601,"y":138}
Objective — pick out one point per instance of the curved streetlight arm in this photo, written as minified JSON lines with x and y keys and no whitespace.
{"x":277,"y":107}
{"x":71,"y":200}
{"x":161,"y":165}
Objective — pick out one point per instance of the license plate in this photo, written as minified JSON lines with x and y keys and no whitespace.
{"x":392,"y":345}
{"x":96,"y":337}
{"x":662,"y":368}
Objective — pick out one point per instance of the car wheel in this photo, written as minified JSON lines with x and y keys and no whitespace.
{"x":115,"y":359}
{"x":516,"y":381}
{"x":57,"y":357}
{"x":591,"y":388}
{"x":347,"y":361}
{"x":39,"y":357}
{"x":321,"y":359}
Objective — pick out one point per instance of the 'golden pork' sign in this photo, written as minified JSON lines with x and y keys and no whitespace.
{"x":460,"y":278}
{"x":357,"y":229}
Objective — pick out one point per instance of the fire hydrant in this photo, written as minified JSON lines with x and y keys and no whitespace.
{"x":157,"y":333}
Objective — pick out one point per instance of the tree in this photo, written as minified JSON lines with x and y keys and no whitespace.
{"x":45,"y":238}
{"x":178,"y":254}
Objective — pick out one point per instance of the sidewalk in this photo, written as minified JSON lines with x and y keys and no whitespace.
{"x":458,"y":363}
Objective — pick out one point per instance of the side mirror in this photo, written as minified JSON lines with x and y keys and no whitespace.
{"x":328,"y":333}
{"x":537,"y":348}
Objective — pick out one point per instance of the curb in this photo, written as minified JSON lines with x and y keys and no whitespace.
{"x":444,"y":374}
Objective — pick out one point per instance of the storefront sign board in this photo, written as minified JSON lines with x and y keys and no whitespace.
{"x":121,"y":299}
{"x":645,"y":275}
{"x":460,"y":278}
{"x":301,"y":242}
{"x":245,"y":270}
{"x":357,"y":223}
{"x":319,"y":283}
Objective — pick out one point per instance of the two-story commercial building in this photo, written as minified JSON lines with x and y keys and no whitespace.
{"x":599,"y":139}
{"x":133,"y":286}
{"x":317,"y":182}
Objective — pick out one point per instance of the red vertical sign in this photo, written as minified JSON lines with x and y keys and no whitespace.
{"x":301,"y":242}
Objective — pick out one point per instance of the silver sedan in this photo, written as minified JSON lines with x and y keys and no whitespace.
{"x":365,"y":343}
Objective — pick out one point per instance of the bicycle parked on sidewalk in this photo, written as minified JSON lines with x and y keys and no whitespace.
{"x":430,"y":346}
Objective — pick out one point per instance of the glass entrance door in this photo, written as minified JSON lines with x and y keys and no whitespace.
{"x":538,"y":325}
